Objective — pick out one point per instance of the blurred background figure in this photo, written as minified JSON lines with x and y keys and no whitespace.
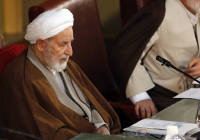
{"x":2,"y":43}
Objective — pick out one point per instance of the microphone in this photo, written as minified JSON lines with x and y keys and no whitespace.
{"x":168,"y":64}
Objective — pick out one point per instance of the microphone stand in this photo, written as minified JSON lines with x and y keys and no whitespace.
{"x":168,"y":64}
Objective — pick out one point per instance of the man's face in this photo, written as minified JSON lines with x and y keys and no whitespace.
{"x":194,"y":5}
{"x":59,"y":50}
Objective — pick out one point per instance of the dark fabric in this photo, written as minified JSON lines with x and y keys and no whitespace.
{"x":162,"y":97}
{"x":29,"y":104}
{"x":132,"y":40}
{"x":128,"y":8}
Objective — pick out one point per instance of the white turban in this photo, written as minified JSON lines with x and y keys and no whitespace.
{"x":49,"y":24}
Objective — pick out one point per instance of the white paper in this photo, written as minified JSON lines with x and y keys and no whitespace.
{"x":153,"y":126}
{"x":192,"y":93}
{"x":194,"y":82}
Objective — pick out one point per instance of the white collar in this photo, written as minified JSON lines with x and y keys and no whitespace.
{"x":31,"y":56}
{"x":193,"y":18}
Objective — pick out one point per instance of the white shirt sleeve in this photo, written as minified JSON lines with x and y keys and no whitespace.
{"x":140,"y":80}
{"x":97,"y":120}
{"x":140,"y":97}
{"x":98,"y":125}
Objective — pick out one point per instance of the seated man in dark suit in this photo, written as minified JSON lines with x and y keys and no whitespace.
{"x":45,"y":94}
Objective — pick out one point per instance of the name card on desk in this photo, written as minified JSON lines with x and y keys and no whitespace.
{"x":192,"y":93}
{"x":159,"y":127}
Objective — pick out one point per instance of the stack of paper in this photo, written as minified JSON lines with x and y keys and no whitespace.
{"x":159,"y":127}
{"x":192,"y":93}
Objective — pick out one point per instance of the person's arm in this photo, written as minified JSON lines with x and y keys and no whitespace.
{"x":104,"y":108}
{"x":140,"y":82}
{"x":144,"y":107}
{"x":103,"y":129}
{"x":139,"y":97}
{"x":99,"y":123}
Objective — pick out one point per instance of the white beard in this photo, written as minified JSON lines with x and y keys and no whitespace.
{"x":54,"y":64}
{"x":60,"y":67}
{"x":194,"y":5}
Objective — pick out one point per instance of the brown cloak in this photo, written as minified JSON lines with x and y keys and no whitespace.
{"x":29,"y":104}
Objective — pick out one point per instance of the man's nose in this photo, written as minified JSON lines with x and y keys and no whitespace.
{"x":68,"y":50}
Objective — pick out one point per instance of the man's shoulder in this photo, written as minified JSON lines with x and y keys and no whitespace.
{"x":18,"y":69}
{"x":15,"y":65}
{"x":12,"y":76}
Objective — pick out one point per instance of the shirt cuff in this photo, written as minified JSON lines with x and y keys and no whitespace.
{"x":140,"y":97}
{"x":98,"y":125}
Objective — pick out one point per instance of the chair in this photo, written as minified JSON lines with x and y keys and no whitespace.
{"x":8,"y":53}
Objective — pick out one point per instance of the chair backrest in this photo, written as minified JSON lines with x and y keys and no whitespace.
{"x":88,"y":46}
{"x":8,"y":53}
{"x":130,"y":7}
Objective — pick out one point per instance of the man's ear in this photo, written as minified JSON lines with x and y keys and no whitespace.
{"x":41,"y":45}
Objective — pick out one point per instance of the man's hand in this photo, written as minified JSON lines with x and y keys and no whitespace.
{"x":145,"y":109}
{"x":193,"y":68}
{"x":103,"y":130}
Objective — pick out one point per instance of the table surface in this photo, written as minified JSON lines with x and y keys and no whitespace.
{"x":182,"y":111}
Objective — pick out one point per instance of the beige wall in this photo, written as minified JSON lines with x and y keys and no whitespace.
{"x":108,"y":10}
{"x":15,"y":19}
{"x":1,"y":17}
{"x":12,"y":16}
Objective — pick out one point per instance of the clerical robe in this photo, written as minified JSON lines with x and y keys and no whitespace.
{"x":28,"y":103}
{"x":161,"y":28}
{"x":175,"y":41}
{"x":132,"y":40}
